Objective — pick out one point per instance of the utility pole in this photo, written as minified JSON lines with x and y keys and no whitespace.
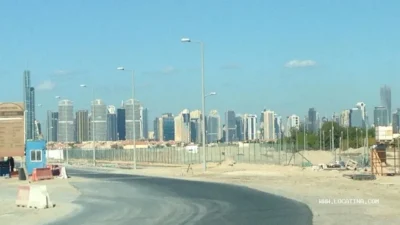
{"x":348,"y":140}
{"x":320,"y":140}
{"x":333,"y":137}
{"x":356,"y":137}
{"x":304,"y":134}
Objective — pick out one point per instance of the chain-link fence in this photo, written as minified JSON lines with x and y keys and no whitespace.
{"x":254,"y":153}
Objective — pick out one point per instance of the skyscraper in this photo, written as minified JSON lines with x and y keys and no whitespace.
{"x":345,"y":118}
{"x":239,"y":128}
{"x":277,"y":126}
{"x":82,"y":126}
{"x":356,"y":118}
{"x":29,"y":104}
{"x":230,"y":126}
{"x":145,"y":122}
{"x":250,"y":127}
{"x":65,"y":121}
{"x":396,"y":121}
{"x":312,"y":120}
{"x":38,"y":130}
{"x":164,"y":127}
{"x":386,"y":101}
{"x":195,"y":126}
{"x":52,"y":126}
{"x":381,"y":116}
{"x":121,"y":124}
{"x":182,"y":127}
{"x":129,"y":119}
{"x":111,"y":123}
{"x":269,"y":126}
{"x":214,"y":132}
{"x":98,"y":120}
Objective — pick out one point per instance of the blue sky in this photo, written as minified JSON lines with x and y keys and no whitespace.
{"x":341,"y":53}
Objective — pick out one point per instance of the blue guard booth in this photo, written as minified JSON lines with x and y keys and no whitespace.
{"x":35,"y":155}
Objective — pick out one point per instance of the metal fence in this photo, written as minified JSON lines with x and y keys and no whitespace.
{"x":252,"y":153}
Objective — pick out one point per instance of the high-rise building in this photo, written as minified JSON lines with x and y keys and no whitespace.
{"x":156,"y":128}
{"x":239,"y":127}
{"x":29,"y":105}
{"x":38,"y":130}
{"x":121,"y":124}
{"x":164,"y":127}
{"x":129,"y":119}
{"x":65,"y":121}
{"x":345,"y":118}
{"x":269,"y":125}
{"x":111,"y":123}
{"x":230,"y":126}
{"x":381,"y":116}
{"x":250,"y":127}
{"x":82,"y":126}
{"x":356,"y":118}
{"x":52,"y":126}
{"x":312,"y":120}
{"x":182,"y":127}
{"x":292,"y":122}
{"x":144,"y":123}
{"x":98,"y":121}
{"x":278,"y":126}
{"x":214,"y":131}
{"x":196,"y":126}
{"x":396,"y":121}
{"x":363,"y":110}
{"x":386,"y":101}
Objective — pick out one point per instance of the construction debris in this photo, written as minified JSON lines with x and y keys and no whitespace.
{"x":360,"y":176}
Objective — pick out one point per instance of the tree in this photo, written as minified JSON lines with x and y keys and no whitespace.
{"x":356,"y":137}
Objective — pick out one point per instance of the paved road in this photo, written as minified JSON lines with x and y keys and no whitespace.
{"x":121,"y":199}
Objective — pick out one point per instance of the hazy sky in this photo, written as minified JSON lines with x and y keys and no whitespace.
{"x":285,"y":56}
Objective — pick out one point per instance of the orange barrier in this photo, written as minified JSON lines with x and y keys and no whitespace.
{"x":42,"y":174}
{"x":23,"y":196}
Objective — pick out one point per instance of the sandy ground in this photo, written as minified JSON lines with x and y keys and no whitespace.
{"x":61,"y":193}
{"x":380,"y":197}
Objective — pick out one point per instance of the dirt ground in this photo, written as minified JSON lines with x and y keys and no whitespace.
{"x":61,"y":193}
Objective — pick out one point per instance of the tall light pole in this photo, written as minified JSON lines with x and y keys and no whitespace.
{"x":333,"y":137}
{"x":208,"y":95}
{"x":187,"y":40}
{"x":348,"y":140}
{"x":304,"y":135}
{"x":133,"y":115}
{"x":93,"y":124}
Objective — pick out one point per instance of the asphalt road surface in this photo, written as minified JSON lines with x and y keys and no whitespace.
{"x":121,"y":199}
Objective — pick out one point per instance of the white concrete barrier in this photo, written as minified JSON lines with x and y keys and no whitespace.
{"x":63,"y":173}
{"x":39,"y":198}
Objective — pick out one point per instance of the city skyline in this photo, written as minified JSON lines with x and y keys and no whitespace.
{"x":59,"y":62}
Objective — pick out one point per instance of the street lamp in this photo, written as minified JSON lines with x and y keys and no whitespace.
{"x":203,"y":122}
{"x":210,"y":94}
{"x":133,"y":114}
{"x":93,"y":123}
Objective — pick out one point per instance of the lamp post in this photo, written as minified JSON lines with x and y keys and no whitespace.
{"x":205,"y":96}
{"x":93,"y":124}
{"x":133,"y":115}
{"x":188,"y":40}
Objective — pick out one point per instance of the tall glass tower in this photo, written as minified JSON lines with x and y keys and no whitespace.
{"x":386,"y":101}
{"x":29,"y":105}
